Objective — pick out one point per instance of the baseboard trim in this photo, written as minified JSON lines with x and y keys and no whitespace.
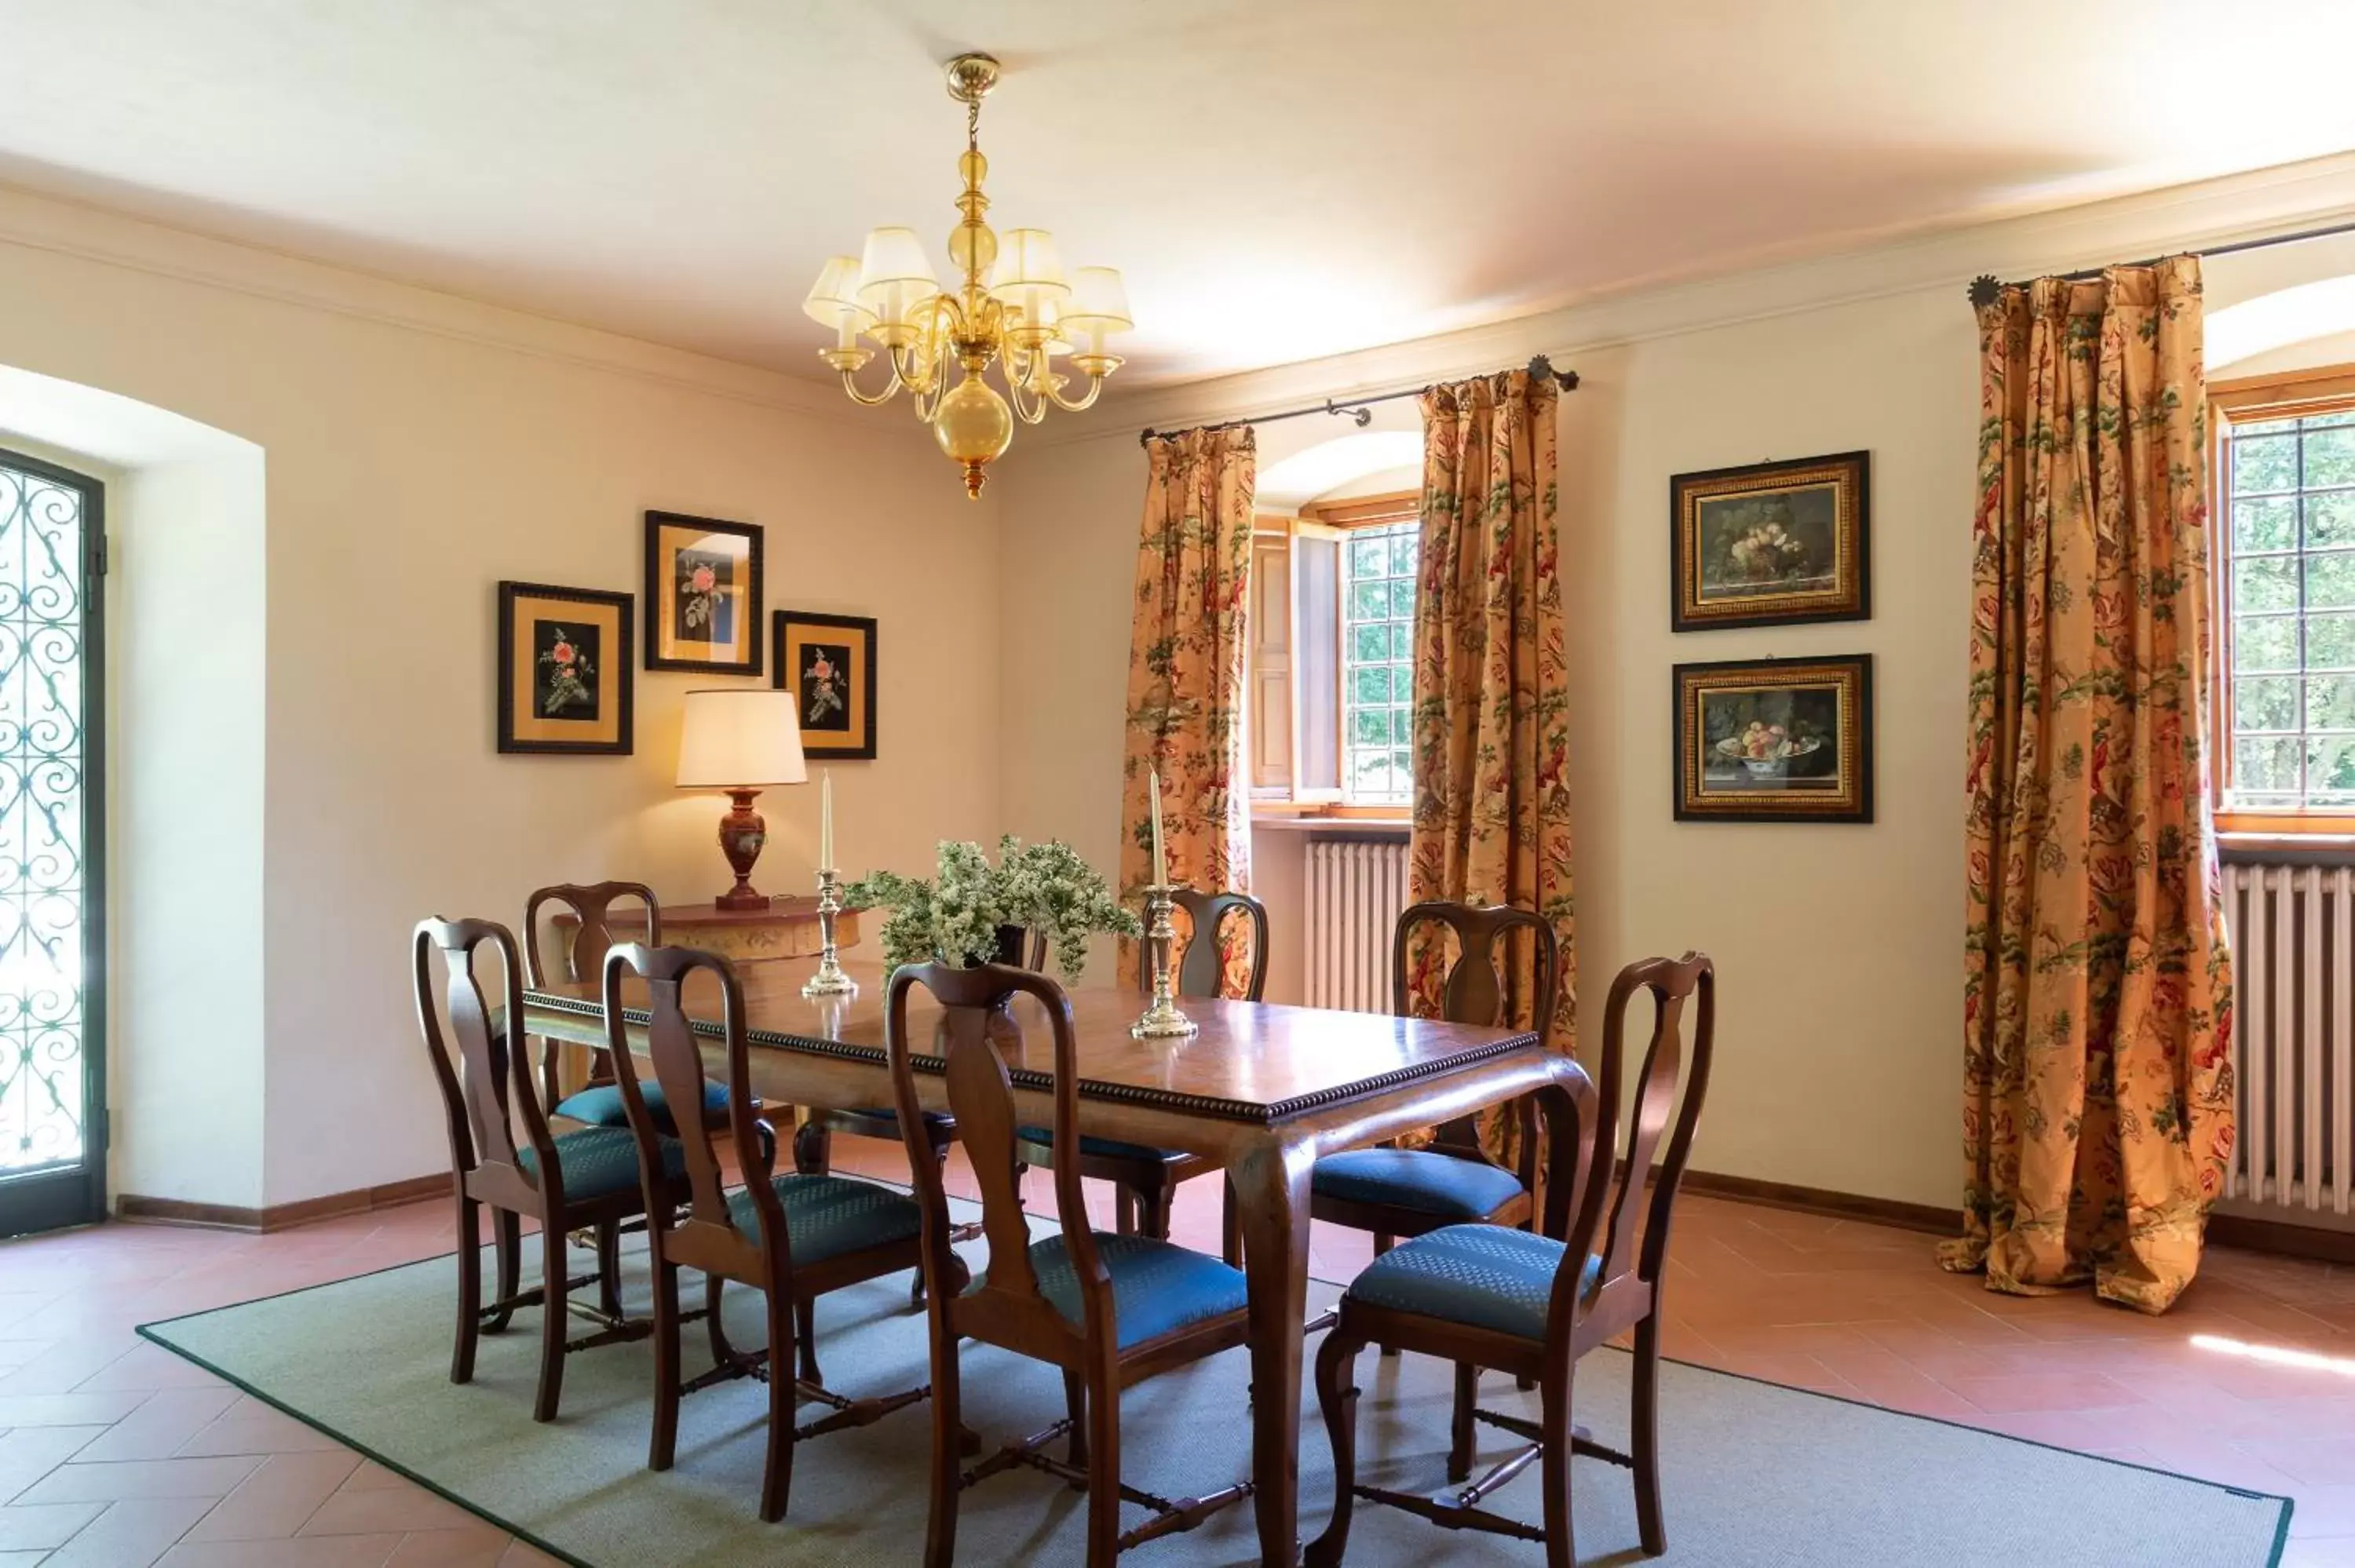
{"x":277,"y":1216}
{"x":2276,"y":1236}
{"x":1819,"y":1200}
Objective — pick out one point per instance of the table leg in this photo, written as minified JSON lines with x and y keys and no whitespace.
{"x":1272,"y":1192}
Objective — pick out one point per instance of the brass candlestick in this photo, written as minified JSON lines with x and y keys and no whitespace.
{"x":829,"y":981}
{"x":1161,"y":1019}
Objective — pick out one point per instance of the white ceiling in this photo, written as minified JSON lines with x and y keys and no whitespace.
{"x":1278,"y":181}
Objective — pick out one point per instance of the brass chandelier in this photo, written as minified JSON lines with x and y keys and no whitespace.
{"x":1015,"y":306}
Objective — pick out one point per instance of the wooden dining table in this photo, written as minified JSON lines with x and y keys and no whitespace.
{"x":1263,"y":1088}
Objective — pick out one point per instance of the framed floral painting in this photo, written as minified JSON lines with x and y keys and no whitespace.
{"x":1774,"y":741}
{"x":827,"y":662}
{"x":703,"y":595}
{"x":1774,"y":543}
{"x":565,"y":669}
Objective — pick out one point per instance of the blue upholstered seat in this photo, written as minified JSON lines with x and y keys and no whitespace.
{"x":602,"y":1106}
{"x":1486,"y":1276}
{"x":1110,"y":1148}
{"x":828,"y":1216}
{"x":1156,"y":1287}
{"x":1415,"y":1179}
{"x":598,"y":1162}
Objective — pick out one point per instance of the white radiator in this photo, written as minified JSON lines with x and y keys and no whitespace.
{"x":1356,"y":888}
{"x":2293,"y":929}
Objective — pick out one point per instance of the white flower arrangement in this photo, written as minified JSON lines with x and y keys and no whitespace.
{"x":954,"y":917}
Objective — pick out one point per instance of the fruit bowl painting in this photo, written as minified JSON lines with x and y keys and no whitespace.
{"x":1766,"y":751}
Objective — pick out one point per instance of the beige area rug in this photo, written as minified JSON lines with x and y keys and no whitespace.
{"x":1757,"y":1476}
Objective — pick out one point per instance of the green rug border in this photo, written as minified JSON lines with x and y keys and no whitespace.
{"x":144,"y":1331}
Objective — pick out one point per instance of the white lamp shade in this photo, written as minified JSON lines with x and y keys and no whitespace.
{"x":1027,"y":267}
{"x":895,"y":276}
{"x":835,"y":295}
{"x":1098,"y":300}
{"x":739,"y":740}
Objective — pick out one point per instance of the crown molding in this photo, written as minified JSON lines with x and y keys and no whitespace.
{"x":95,"y":234}
{"x":2120,"y":229}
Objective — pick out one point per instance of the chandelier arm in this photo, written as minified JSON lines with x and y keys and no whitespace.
{"x":1029,"y":412}
{"x":891,"y":388}
{"x":1077,"y":405}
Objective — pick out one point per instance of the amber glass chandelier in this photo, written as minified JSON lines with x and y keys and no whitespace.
{"x":1015,"y":306}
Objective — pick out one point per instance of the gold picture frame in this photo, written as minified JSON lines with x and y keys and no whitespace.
{"x":1773,"y":740}
{"x":703,"y":594}
{"x":1772,"y":543}
{"x":827,"y":662}
{"x":566,"y":671}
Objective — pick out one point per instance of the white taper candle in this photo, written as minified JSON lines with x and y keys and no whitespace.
{"x":1160,"y":859}
{"x":826,"y":819}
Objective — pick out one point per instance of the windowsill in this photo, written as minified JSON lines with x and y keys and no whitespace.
{"x":2333,"y":848}
{"x":1397,"y":826}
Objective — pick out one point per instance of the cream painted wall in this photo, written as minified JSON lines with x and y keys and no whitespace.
{"x":1837,"y":947}
{"x":419,"y":450}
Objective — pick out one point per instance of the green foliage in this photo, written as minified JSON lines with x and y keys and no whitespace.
{"x":954,"y":919}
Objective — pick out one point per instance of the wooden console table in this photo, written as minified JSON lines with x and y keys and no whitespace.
{"x":787,"y":928}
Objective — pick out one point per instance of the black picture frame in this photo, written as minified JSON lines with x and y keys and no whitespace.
{"x":529,"y":732}
{"x":842,"y":731}
{"x":1840,"y":483}
{"x":1769,"y":788}
{"x":665,"y":596}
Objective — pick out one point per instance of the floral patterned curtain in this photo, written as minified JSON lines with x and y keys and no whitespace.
{"x":2097,"y":995}
{"x":1186,"y":673}
{"x":1491,"y":704}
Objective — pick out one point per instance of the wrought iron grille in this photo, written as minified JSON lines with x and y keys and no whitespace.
{"x":44,"y":889}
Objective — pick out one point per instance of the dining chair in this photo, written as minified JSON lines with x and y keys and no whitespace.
{"x":585,"y":1180}
{"x":1533,"y":1305}
{"x":1109,"y":1311}
{"x":792,"y":1237}
{"x":1145,"y":1179}
{"x":1399,"y":1193}
{"x":813,"y":1144}
{"x":598,"y":1102}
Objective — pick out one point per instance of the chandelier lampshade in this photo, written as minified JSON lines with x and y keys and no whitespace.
{"x":1012,"y":306}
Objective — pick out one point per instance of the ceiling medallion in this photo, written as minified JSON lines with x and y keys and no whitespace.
{"x":1015,"y":306}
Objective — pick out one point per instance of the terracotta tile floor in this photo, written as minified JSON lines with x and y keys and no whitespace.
{"x":114,"y":1454}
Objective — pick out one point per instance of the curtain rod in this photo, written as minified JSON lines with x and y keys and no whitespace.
{"x":1357,"y":407}
{"x":1984,"y":288}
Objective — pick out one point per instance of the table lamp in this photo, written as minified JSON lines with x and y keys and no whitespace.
{"x":742,"y":741}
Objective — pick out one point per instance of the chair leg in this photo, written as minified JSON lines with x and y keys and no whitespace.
{"x":1460,"y":1439}
{"x":805,"y":1333}
{"x":948,"y":1427}
{"x":1561,"y":1546}
{"x":506,"y":1240}
{"x":777,"y":1471}
{"x":1154,"y":1204}
{"x":1103,"y":1474}
{"x":1075,"y":1405}
{"x":554,"y":1319}
{"x":662,"y":1446}
{"x":722,"y":1353}
{"x":469,"y":1290}
{"x":1123,"y":1211}
{"x":1230,"y":1227}
{"x":1337,"y":1393}
{"x":609,"y":1269}
{"x":813,"y":1149}
{"x":940,"y":1160}
{"x":1644,"y":1423}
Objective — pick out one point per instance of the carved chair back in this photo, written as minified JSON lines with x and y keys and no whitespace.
{"x":675,"y":1057}
{"x":592,"y":906}
{"x":485,"y":1079}
{"x":976,"y":1024}
{"x":1669,"y":1089}
{"x":1202,"y":971}
{"x":1474,"y":991}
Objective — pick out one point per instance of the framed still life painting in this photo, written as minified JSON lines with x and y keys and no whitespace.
{"x":565,"y":668}
{"x":1774,"y":741}
{"x":827,"y":662}
{"x":1775,"y":544}
{"x":703,"y":595}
